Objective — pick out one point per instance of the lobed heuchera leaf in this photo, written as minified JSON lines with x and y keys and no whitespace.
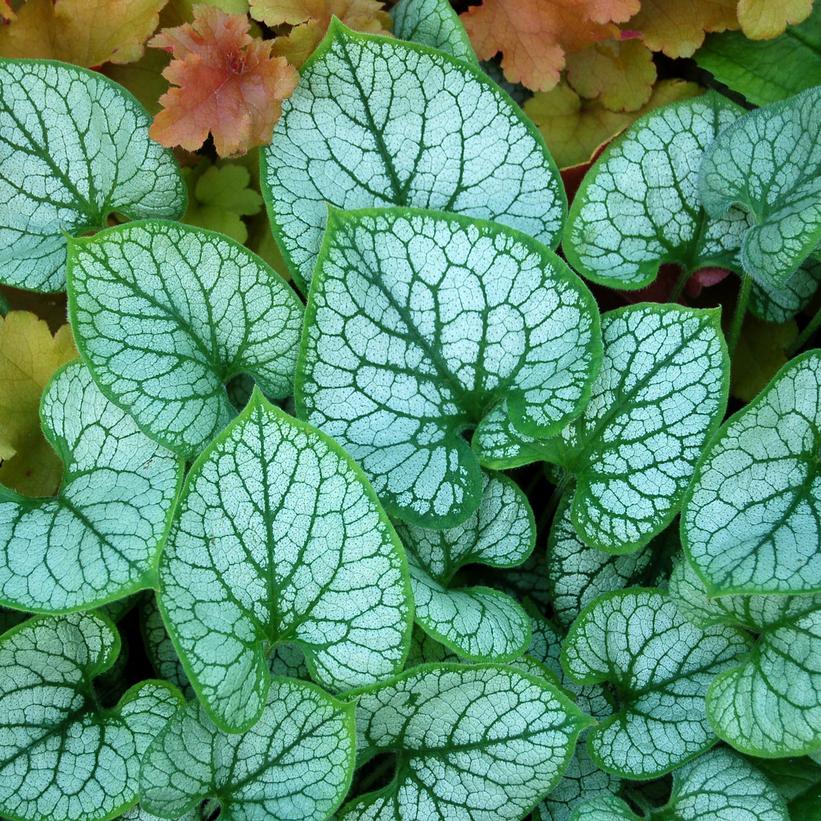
{"x":770,"y":705}
{"x":74,"y":148}
{"x":165,"y":315}
{"x":453,"y":729}
{"x":65,"y":757}
{"x":718,"y":785}
{"x":99,"y":539}
{"x":769,"y":163}
{"x":418,"y":324}
{"x":475,"y":622}
{"x":659,"y":666}
{"x":295,"y":763}
{"x":378,"y":122}
{"x":278,"y":538}
{"x":433,"y":23}
{"x":750,"y":522}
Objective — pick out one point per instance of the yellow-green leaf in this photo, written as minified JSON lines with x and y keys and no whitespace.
{"x":759,"y":355}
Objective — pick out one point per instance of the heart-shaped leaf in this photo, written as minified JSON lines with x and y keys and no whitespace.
{"x":65,"y":756}
{"x":717,"y":785}
{"x":433,"y":23}
{"x":769,"y":163}
{"x":658,"y":666}
{"x":418,"y":324}
{"x":752,"y":519}
{"x":770,"y":705}
{"x":295,"y":763}
{"x":475,"y":622}
{"x":99,"y":539}
{"x":74,"y":148}
{"x":376,"y":122}
{"x":166,"y":314}
{"x":660,"y":394}
{"x":453,"y":729}
{"x":278,"y":538}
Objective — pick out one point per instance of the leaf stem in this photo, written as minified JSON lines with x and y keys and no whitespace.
{"x":678,"y":288}
{"x":740,"y":311}
{"x":804,"y":337}
{"x":555,"y":497}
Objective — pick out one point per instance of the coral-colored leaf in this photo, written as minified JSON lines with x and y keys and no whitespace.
{"x":677,"y":27}
{"x":84,"y":32}
{"x":535,"y":35}
{"x":764,"y":19}
{"x":224,"y":82}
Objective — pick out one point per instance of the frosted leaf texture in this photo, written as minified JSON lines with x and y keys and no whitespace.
{"x":432,"y":23}
{"x":660,"y":666}
{"x":278,"y":538}
{"x":752,"y":519}
{"x":100,"y":537}
{"x":294,"y":764}
{"x":166,"y":314}
{"x":418,"y":324}
{"x":74,"y":148}
{"x":65,"y":758}
{"x":455,"y":728}
{"x":769,"y":163}
{"x":378,"y":122}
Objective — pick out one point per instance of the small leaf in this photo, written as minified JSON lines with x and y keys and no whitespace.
{"x":453,"y":729}
{"x":29,"y":356}
{"x":100,"y":537}
{"x":451,"y":140}
{"x":659,"y":666}
{"x":419,"y":323}
{"x":750,"y":523}
{"x":49,"y":185}
{"x":762,"y":20}
{"x":278,"y":538}
{"x":769,"y":163}
{"x":475,"y":622}
{"x":432,"y":23}
{"x":759,"y":355}
{"x":65,"y":758}
{"x":165,"y":315}
{"x":225,"y":82}
{"x":296,"y":762}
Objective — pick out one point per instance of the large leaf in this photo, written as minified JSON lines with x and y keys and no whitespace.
{"x":433,"y":23}
{"x":769,"y":163}
{"x":717,"y":785}
{"x":66,"y":757}
{"x":278,"y":537}
{"x":295,"y":763}
{"x":99,"y":539}
{"x":770,"y":705}
{"x":454,"y":730}
{"x":418,"y":324}
{"x":74,"y":149}
{"x":165,"y":315}
{"x":475,"y":622}
{"x":750,"y":523}
{"x":378,"y":122}
{"x":659,"y":666}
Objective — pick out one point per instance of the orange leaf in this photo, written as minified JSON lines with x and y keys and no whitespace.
{"x":535,"y":35}
{"x":84,"y":32}
{"x":226,"y":82}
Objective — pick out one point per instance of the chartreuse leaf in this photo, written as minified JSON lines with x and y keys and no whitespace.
{"x":99,"y":539}
{"x":717,"y":786}
{"x":433,"y":23}
{"x":74,"y":148}
{"x":278,"y":538}
{"x":658,"y":666}
{"x":418,"y":324}
{"x":770,"y":704}
{"x":166,"y":314}
{"x":750,"y":523}
{"x":296,"y":762}
{"x":471,"y":741}
{"x":377,"y":122}
{"x":475,"y":622}
{"x":65,"y":757}
{"x":769,"y":163}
